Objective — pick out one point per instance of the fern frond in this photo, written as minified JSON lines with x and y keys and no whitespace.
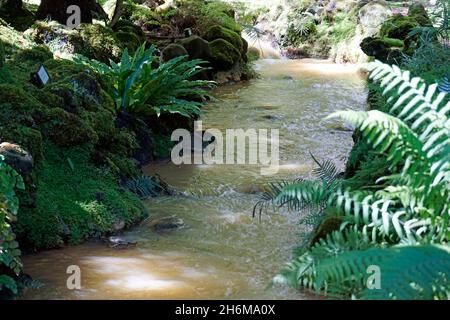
{"x":418,"y":105}
{"x":406,"y":273}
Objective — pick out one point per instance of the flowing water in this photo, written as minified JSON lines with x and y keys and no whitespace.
{"x":221,"y":253}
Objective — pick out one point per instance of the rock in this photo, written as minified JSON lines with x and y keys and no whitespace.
{"x":197,"y":48}
{"x":119,"y":225}
{"x":172,"y":51}
{"x":271,"y":117}
{"x":19,"y":159}
{"x":372,"y":16}
{"x":64,"y":128}
{"x":387,"y":50}
{"x":418,"y":12}
{"x":219,"y":32}
{"x":252,"y":189}
{"x":234,"y":74}
{"x":167,"y":224}
{"x":253,"y":54}
{"x":129,"y":34}
{"x":224,"y":54}
{"x":120,"y":243}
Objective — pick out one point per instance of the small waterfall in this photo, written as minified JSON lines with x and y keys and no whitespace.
{"x":267,"y":49}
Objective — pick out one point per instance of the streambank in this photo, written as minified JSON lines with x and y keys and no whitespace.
{"x":221,"y":252}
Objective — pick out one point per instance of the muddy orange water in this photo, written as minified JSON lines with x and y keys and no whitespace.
{"x":222,"y":253}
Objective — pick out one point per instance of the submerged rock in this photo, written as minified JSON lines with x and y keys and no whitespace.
{"x":120,"y":243}
{"x":167,"y":224}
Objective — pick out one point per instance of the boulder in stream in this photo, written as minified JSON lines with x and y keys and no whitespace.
{"x":120,"y":243}
{"x":166,"y":224}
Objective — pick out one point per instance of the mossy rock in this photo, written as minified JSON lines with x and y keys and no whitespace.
{"x":385,"y":49}
{"x":29,"y":138}
{"x":398,"y":27}
{"x":224,"y":54}
{"x":219,"y":32}
{"x":63,"y":128}
{"x":75,"y":200}
{"x":327,"y":226}
{"x":172,"y":51}
{"x":418,"y":12}
{"x":129,"y":40}
{"x":61,"y":69}
{"x":96,"y":42}
{"x":253,"y":54}
{"x":197,"y":48}
{"x":38,"y":54}
{"x":17,"y":106}
{"x":129,"y":34}
{"x":81,"y":91}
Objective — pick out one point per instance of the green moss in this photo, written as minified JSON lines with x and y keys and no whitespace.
{"x":129,"y":40}
{"x":172,"y":51}
{"x":96,"y":42}
{"x":75,"y":200}
{"x":224,"y":54}
{"x":129,"y":34}
{"x":253,"y":54}
{"x":208,"y":14}
{"x":64,"y":128}
{"x":163,"y":146}
{"x":37,"y":54}
{"x":398,"y":27}
{"x":218,"y":32}
{"x":28,"y":138}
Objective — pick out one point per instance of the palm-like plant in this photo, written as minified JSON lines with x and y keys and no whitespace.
{"x":137,"y":86}
{"x":414,"y":207}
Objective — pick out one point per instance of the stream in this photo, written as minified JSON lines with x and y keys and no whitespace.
{"x":222,"y":252}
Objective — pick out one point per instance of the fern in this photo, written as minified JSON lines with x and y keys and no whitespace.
{"x":411,"y":207}
{"x":444,"y":85}
{"x":406,"y":273}
{"x":145,"y":186}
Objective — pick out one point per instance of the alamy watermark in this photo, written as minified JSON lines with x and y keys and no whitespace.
{"x":74,"y":20}
{"x":374,"y":279}
{"x":236,"y":146}
{"x":74,"y":280}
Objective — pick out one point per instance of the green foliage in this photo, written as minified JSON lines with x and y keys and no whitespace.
{"x":75,"y":200}
{"x":406,"y":273}
{"x":301,"y":27}
{"x":137,"y":86}
{"x":10,"y":263}
{"x":224,"y":54}
{"x":411,"y":208}
{"x":343,"y":29}
{"x":144,"y":186}
{"x":208,"y":14}
{"x":444,"y":85}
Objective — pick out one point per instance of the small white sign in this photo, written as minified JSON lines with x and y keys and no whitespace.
{"x":43,"y":75}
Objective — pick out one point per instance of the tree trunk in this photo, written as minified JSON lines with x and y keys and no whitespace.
{"x":57,"y":10}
